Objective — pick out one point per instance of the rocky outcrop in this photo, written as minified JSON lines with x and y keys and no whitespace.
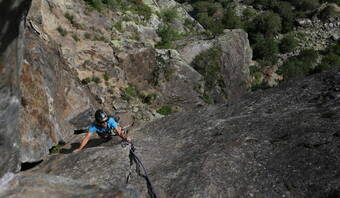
{"x":233,"y":61}
{"x":12,"y":20}
{"x":177,"y":81}
{"x":51,"y":98}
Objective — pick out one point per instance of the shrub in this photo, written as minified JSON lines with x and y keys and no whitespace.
{"x":75,"y":37}
{"x":265,"y":4}
{"x":111,"y":91}
{"x":288,"y":43}
{"x":61,"y":31}
{"x":95,"y":4}
{"x":169,"y":15}
{"x":211,"y":23}
{"x":86,"y":80}
{"x":57,"y":148}
{"x":309,"y":56}
{"x":328,"y":61}
{"x":285,"y":10}
{"x":118,"y":26}
{"x":69,"y":17}
{"x":113,"y":4}
{"x":128,"y":93}
{"x":207,"y":14}
{"x":131,"y":91}
{"x":190,"y":24}
{"x":208,"y":7}
{"x":168,"y":34}
{"x":141,"y":9}
{"x":306,"y":5}
{"x":106,"y":76}
{"x":208,"y":64}
{"x":331,"y":57}
{"x":267,"y":23}
{"x":300,"y":65}
{"x":265,"y":49}
{"x":248,"y":14}
{"x":148,"y":98}
{"x":231,"y":20}
{"x":207,"y":98}
{"x":165,"y":110}
{"x":98,"y":38}
{"x":96,"y":79}
{"x":87,"y":35}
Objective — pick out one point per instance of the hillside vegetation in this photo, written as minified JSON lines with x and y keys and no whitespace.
{"x":274,"y":32}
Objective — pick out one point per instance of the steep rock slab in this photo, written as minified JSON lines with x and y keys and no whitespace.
{"x":50,"y":186}
{"x":12,"y":15}
{"x":51,"y":97}
{"x":279,"y":142}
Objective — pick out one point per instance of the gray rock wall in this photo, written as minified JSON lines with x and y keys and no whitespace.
{"x":12,"y":20}
{"x":51,"y":98}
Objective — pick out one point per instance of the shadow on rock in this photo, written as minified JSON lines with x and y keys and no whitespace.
{"x":92,"y":143}
{"x":11,"y":17}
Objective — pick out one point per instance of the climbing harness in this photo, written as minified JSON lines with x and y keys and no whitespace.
{"x":134,"y":159}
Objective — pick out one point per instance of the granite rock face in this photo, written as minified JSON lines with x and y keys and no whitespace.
{"x":279,"y":142}
{"x":52,"y":186}
{"x":51,"y":99}
{"x":274,"y":143}
{"x":12,"y":20}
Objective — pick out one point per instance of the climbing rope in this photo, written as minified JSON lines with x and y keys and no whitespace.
{"x":134,"y":159}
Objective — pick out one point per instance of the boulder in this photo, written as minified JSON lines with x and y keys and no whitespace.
{"x":236,"y":59}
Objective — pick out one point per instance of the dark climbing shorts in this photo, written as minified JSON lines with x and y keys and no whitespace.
{"x":106,"y":136}
{"x":109,"y":135}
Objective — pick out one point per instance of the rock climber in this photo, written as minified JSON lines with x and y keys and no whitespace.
{"x":105,"y":127}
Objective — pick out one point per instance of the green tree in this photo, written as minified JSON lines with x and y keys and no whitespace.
{"x":331,"y":57}
{"x":169,"y":15}
{"x":267,"y":23}
{"x":288,"y":43}
{"x":265,"y":49}
{"x":300,"y":65}
{"x":231,"y":20}
{"x":168,"y":34}
{"x":265,"y":4}
{"x":306,"y":5}
{"x":208,"y":64}
{"x":211,"y":23}
{"x":285,"y":10}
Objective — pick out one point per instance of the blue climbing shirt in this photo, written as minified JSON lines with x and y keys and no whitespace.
{"x":111,"y":124}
